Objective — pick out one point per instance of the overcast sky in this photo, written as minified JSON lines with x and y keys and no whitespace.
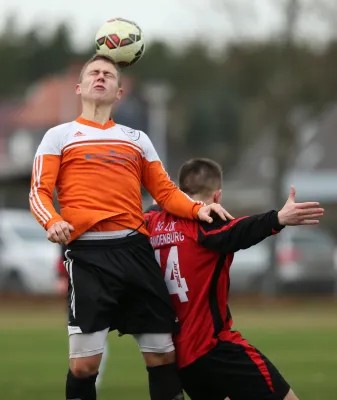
{"x":164,"y":19}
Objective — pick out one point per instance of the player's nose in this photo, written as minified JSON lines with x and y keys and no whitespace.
{"x":101,"y":77}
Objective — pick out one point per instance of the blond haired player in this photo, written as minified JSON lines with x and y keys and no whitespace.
{"x":98,"y":167}
{"x":62,"y":285}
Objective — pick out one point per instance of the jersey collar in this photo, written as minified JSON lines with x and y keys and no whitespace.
{"x":107,"y":125}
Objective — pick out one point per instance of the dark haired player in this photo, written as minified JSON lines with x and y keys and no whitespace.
{"x":216,"y":362}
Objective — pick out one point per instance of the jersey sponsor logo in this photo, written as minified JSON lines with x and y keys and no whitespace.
{"x":167,"y":238}
{"x":112,"y":157}
{"x":131,"y":133}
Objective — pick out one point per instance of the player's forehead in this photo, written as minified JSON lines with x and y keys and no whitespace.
{"x":101,"y":65}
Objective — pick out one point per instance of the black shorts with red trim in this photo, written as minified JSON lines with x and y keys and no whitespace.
{"x":236,"y":370}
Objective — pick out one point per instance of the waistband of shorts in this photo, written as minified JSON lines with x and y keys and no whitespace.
{"x":103,"y":235}
{"x":120,"y":242}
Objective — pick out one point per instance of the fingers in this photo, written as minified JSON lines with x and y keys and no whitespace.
{"x":63,"y":233}
{"x":60,"y":232}
{"x":204,"y":213}
{"x":317,"y":212}
{"x":228,"y":215}
{"x":292,"y":193}
{"x":306,"y":205}
{"x":310,"y":222}
{"x":311,"y":216}
{"x":56,"y":235}
{"x":223,"y":214}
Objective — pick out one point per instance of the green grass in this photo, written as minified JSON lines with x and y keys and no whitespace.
{"x":33,"y":350}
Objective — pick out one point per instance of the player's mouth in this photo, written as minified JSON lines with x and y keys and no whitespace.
{"x":99,"y":87}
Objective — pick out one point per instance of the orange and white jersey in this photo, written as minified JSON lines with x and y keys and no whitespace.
{"x":98,"y":171}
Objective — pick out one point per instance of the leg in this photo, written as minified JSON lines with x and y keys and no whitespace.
{"x":159,"y":356}
{"x":291,"y":396}
{"x":102,"y":365}
{"x":147,"y":312}
{"x":85,"y":356}
{"x":198,"y":385}
{"x":236,"y":370}
{"x":92,"y":309}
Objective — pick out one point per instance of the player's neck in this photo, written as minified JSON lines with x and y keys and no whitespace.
{"x":96,"y":113}
{"x":201,"y":198}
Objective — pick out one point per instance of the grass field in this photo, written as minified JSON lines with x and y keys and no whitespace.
{"x":300,"y":340}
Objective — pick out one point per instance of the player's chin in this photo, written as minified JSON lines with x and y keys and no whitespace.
{"x":103,"y":97}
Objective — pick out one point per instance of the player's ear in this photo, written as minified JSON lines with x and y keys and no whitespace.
{"x":78,"y":89}
{"x":217,"y":196}
{"x":120,"y":93}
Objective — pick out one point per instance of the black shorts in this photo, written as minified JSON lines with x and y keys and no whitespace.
{"x":117,"y":284}
{"x":235,"y":370}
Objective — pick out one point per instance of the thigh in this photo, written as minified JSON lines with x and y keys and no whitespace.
{"x":93,"y":294}
{"x":155,"y":342}
{"x":197,"y":384}
{"x":87,"y":344}
{"x":255,"y":375}
{"x":236,"y":370}
{"x":147,"y":306}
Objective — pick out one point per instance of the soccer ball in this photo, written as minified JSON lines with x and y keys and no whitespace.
{"x":122,"y":40}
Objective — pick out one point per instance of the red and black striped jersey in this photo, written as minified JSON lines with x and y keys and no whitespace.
{"x":195,"y":258}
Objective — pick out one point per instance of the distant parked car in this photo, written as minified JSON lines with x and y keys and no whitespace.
{"x":27,"y":258}
{"x":306,"y":260}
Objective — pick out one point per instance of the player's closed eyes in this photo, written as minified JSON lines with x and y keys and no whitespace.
{"x":106,"y":74}
{"x":110,"y":76}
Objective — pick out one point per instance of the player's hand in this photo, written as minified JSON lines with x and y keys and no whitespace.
{"x":205,"y":212}
{"x":294,"y":213}
{"x":60,"y":232}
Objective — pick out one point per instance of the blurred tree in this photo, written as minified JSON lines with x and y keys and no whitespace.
{"x":221,"y":101}
{"x":286,"y":74}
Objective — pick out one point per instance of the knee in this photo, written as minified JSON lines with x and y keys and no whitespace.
{"x":291,"y":396}
{"x":157,"y":359}
{"x":157,"y":349}
{"x":84,"y":367}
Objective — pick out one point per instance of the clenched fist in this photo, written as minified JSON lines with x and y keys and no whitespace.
{"x":60,"y":232}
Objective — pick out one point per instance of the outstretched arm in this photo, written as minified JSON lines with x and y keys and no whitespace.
{"x":245,"y":232}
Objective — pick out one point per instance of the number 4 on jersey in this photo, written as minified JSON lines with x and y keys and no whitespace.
{"x":174,"y":282}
